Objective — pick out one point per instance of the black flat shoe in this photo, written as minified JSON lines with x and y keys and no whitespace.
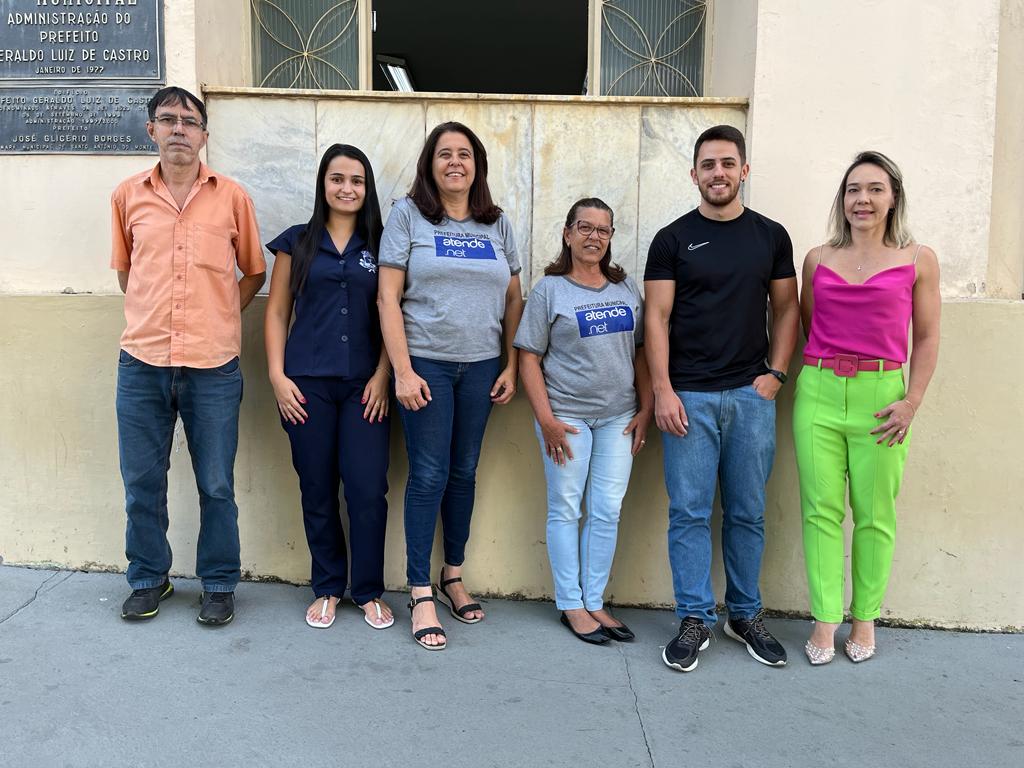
{"x":597,"y":637}
{"x":622,"y":633}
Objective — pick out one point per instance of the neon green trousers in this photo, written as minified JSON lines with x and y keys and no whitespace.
{"x":832,"y":422}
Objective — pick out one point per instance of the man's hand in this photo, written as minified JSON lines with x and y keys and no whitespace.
{"x":767,"y":386}
{"x":669,"y":414}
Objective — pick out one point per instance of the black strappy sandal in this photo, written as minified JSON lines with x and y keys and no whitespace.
{"x":418,"y":635}
{"x":444,"y":597}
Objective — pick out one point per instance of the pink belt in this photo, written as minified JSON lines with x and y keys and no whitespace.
{"x":848,"y":365}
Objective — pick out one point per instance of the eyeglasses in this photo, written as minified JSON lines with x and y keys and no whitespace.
{"x":170,"y":121}
{"x":586,"y":229}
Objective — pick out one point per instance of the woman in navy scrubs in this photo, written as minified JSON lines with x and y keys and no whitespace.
{"x":330,"y":376}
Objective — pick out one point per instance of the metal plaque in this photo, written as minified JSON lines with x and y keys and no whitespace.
{"x":97,"y":120}
{"x":75,"y":75}
{"x":81,"y":40}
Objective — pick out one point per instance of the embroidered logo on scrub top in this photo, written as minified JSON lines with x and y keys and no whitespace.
{"x":599,"y":321}
{"x":366,"y":261}
{"x":464,"y":247}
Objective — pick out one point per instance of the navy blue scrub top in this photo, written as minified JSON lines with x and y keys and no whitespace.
{"x":337,"y":329}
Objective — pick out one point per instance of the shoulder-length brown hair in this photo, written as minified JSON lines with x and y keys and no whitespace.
{"x":897,"y":232}
{"x":562,"y":265}
{"x":424,"y":189}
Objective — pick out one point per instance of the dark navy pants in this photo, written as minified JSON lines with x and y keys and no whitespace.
{"x":337,"y":445}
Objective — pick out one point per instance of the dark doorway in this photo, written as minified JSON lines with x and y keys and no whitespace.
{"x":472,"y":46}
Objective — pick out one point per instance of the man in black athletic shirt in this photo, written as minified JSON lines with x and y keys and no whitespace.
{"x":712,"y":276}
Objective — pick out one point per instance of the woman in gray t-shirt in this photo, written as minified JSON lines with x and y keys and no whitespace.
{"x":448,"y":291}
{"x":585,"y":373}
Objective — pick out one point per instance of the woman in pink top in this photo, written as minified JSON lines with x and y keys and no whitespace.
{"x":862,"y":291}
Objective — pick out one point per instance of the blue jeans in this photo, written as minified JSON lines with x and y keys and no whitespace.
{"x":149,"y":400}
{"x":731,"y":442}
{"x":598,"y":474}
{"x":443,"y":442}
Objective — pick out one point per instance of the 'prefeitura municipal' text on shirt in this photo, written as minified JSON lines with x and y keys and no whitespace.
{"x":587,"y":338}
{"x":457,"y":273}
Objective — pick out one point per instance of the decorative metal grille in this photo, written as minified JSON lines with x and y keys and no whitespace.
{"x":653,"y":47}
{"x":306,"y":43}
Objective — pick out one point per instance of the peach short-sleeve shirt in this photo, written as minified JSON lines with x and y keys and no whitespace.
{"x":182,"y":302}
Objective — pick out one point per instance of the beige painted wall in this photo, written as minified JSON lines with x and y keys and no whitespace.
{"x":915,"y":80}
{"x":1006,"y":244}
{"x":223,"y":42}
{"x":961,"y":522}
{"x":733,"y":48}
{"x":930,"y":100}
{"x":53,"y":244}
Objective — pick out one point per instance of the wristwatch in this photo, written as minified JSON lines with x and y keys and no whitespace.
{"x":778,"y":375}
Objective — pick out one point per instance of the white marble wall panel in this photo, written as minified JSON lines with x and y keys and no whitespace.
{"x":506,"y":130}
{"x":268,"y":146}
{"x":584,"y":151}
{"x":390,"y":133}
{"x":666,"y":157}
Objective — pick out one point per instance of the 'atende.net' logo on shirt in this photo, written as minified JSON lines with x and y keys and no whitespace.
{"x":464,"y":247}
{"x":602,"y":320}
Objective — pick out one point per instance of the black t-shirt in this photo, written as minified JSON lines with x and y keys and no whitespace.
{"x":718,"y":336}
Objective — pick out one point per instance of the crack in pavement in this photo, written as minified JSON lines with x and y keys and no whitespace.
{"x":636,"y":705}
{"x":39,"y":589}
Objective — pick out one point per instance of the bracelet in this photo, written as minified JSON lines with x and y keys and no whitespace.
{"x":911,"y":405}
{"x":388,"y":371}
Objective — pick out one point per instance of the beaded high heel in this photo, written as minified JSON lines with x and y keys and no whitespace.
{"x":856,"y":652}
{"x":818,"y":656}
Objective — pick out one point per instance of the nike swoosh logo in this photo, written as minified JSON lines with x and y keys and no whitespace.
{"x":692,"y":247}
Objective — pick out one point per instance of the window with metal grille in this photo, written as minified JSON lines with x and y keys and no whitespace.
{"x":306,"y":43}
{"x":653,"y":47}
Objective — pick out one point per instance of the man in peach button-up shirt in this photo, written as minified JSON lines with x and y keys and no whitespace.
{"x":179,"y":231}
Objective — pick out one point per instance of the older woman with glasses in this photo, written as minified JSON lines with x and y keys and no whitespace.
{"x":585,"y":374}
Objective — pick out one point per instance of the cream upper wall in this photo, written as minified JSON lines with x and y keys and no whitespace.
{"x":915,"y":80}
{"x":1006,"y":242}
{"x":733,"y":48}
{"x":923,"y":73}
{"x":59,"y":226}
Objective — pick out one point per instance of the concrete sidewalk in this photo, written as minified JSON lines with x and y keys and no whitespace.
{"x":80,"y":687}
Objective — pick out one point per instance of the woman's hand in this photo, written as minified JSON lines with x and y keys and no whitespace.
{"x":638,"y":426}
{"x":898,"y":416}
{"x":375,"y":397}
{"x":504,"y":386}
{"x":289,"y":399}
{"x":412,"y":391}
{"x":555,"y":444}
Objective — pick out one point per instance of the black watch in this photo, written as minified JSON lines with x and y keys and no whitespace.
{"x":778,"y":375}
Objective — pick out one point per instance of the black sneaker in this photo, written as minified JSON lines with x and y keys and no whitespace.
{"x":759,"y":641}
{"x":681,"y":653}
{"x":218,"y":608}
{"x":145,"y":603}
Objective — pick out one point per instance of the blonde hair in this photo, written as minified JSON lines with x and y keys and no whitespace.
{"x":897,"y":232}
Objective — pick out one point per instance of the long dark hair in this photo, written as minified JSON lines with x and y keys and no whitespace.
{"x":562,"y":265}
{"x":368,"y":220}
{"x":424,"y":189}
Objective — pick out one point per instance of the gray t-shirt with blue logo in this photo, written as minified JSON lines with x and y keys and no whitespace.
{"x":588,"y":339}
{"x":456,"y":275}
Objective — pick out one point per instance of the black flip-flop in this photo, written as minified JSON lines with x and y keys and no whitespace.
{"x":418,"y":635}
{"x":457,"y":613}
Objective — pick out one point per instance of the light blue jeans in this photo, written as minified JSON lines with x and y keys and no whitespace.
{"x":581,"y":560}
{"x":731,"y":444}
